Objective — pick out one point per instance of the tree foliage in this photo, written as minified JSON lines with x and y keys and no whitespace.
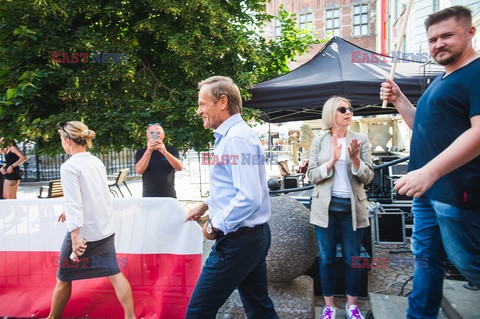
{"x":167,"y":47}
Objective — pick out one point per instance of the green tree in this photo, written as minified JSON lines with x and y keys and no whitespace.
{"x":167,"y":47}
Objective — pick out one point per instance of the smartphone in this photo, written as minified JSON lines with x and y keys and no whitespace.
{"x":154,"y":135}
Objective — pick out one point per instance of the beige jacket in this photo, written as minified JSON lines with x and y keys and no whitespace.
{"x":320,"y":153}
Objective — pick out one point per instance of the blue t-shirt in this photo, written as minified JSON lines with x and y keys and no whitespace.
{"x":443,"y":114}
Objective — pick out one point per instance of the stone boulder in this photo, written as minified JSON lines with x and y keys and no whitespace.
{"x":294,"y":247}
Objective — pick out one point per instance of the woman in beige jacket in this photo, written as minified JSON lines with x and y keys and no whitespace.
{"x":339,"y":167}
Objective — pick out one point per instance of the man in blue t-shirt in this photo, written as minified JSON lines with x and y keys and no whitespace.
{"x":444,"y":168}
{"x":157,"y":163}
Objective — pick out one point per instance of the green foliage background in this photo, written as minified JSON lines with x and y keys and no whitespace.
{"x":171,"y":45}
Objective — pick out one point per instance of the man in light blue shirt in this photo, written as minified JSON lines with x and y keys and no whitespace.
{"x":238,"y":205}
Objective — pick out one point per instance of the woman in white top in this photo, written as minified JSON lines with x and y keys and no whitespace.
{"x":339,"y":167}
{"x":88,"y":214}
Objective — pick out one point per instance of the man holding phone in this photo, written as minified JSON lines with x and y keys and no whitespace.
{"x":157,"y":163}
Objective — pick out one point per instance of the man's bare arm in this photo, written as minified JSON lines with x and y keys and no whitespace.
{"x":464,"y":149}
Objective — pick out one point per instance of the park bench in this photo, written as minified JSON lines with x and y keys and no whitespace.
{"x":54,"y":189}
{"x":120,"y":178}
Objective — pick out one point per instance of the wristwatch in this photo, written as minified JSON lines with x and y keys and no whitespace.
{"x":209,"y":227}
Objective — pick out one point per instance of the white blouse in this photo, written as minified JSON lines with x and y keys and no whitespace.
{"x":341,"y":183}
{"x":87,"y":200}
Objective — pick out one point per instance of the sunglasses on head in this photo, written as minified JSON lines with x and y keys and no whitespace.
{"x":343,"y":109}
{"x":154,"y":123}
{"x":62,"y":127}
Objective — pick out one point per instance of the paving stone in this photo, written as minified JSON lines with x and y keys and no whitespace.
{"x":292,"y":300}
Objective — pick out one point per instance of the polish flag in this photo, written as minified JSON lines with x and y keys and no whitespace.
{"x":157,"y":251}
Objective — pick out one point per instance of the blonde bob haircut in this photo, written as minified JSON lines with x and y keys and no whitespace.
{"x":329,"y":111}
{"x":77,"y":132}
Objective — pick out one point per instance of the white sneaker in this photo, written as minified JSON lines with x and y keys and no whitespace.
{"x":329,"y":312}
{"x":352,"y":312}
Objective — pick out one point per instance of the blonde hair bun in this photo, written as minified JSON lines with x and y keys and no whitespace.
{"x":87,"y":134}
{"x":78,"y":132}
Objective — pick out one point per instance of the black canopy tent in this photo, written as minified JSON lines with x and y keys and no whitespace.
{"x":343,"y":69}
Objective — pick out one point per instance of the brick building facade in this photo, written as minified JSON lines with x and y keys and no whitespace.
{"x":353,"y":20}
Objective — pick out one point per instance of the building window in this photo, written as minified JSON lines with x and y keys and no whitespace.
{"x":278,"y":28}
{"x":333,"y":21}
{"x":436,"y":5}
{"x":360,"y":20}
{"x":305,"y":21}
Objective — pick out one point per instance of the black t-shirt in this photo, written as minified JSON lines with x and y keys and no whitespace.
{"x":159,"y":176}
{"x":443,"y":114}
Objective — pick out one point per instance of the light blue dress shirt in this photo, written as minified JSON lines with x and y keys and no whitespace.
{"x":238,"y":182}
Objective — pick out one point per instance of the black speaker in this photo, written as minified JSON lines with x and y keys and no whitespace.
{"x":290,"y":182}
{"x":390,"y":226}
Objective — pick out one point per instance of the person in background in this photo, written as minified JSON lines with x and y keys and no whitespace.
{"x":239,"y":208}
{"x":444,"y":164}
{"x":339,"y":166}
{"x":157,"y":163}
{"x":88,"y":213}
{"x":11,"y":169}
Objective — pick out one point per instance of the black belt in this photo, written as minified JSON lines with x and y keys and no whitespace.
{"x":241,"y":230}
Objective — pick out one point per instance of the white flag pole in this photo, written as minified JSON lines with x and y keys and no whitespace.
{"x":399,"y":45}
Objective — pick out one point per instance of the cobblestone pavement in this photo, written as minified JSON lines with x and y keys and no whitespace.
{"x":394,"y":270}
{"x":390,"y":275}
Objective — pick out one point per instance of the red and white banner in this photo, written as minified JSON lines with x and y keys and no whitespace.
{"x":157,"y":251}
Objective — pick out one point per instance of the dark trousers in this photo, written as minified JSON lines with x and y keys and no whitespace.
{"x":236,"y":261}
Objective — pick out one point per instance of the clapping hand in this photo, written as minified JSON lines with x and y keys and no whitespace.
{"x":336,"y":152}
{"x":354,"y":153}
{"x":354,"y":149}
{"x":336,"y":149}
